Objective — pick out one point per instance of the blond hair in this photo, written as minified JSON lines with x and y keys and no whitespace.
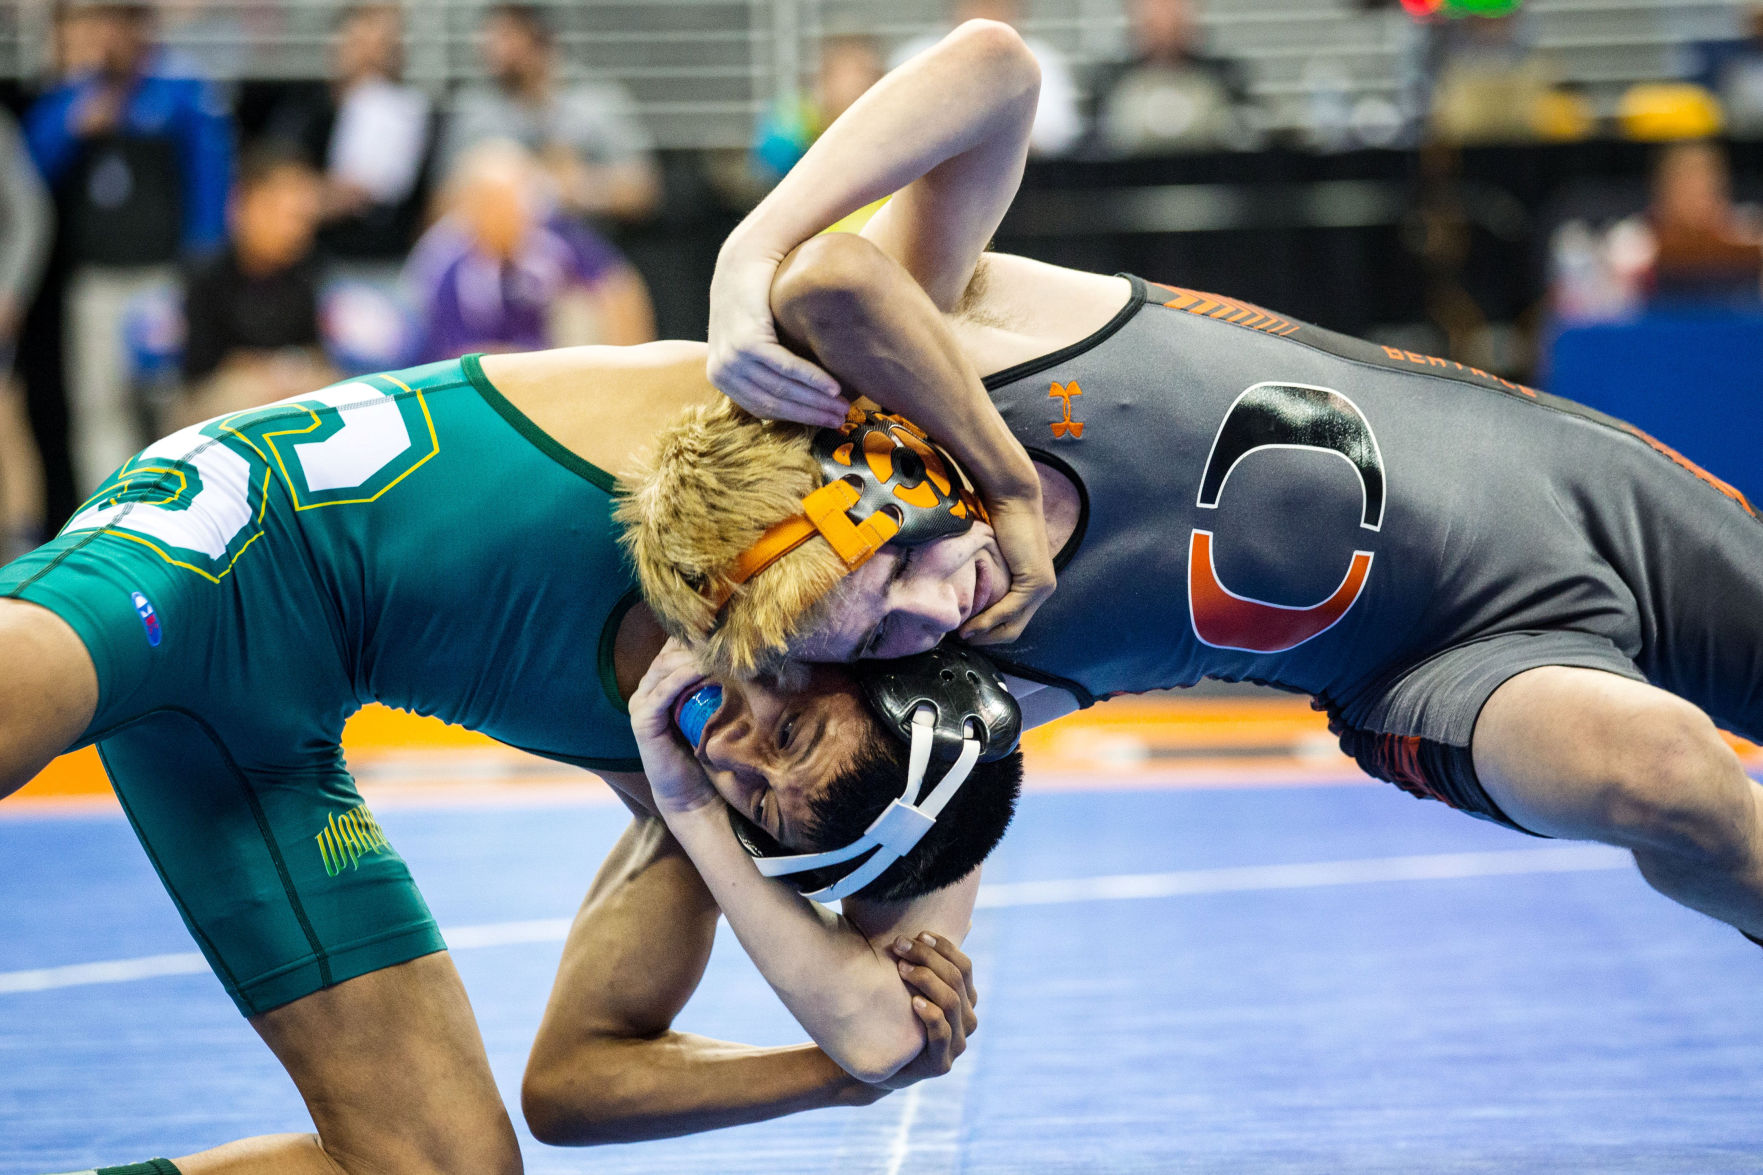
{"x":718,"y":479}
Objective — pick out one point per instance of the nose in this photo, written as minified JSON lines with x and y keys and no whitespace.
{"x":733,"y":729}
{"x":932,"y":608}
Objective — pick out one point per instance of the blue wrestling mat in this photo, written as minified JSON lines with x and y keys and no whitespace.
{"x":1317,"y":979}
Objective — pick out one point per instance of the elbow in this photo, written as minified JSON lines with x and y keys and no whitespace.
{"x":826,"y":279}
{"x":553,"y":1115}
{"x":999,"y":54}
{"x":882,"y":1053}
{"x":573,"y":1104}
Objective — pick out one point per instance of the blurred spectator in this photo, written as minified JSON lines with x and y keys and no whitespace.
{"x":251,"y":313}
{"x":1490,"y":87}
{"x":848,"y":66}
{"x":26,"y":227}
{"x":503,"y":271}
{"x":139,"y":163}
{"x":1169,"y":96}
{"x":1058,"y":125}
{"x":368,"y":133}
{"x":587,"y":135}
{"x":1708,"y":249}
{"x":1733,"y":70}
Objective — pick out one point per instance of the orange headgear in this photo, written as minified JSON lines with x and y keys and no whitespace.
{"x":886,"y":482}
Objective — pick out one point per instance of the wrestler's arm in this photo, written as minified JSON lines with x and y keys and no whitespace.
{"x":834,"y":972}
{"x":862,"y":315}
{"x":844,"y":988}
{"x":947,"y":133}
{"x":607,"y":1065}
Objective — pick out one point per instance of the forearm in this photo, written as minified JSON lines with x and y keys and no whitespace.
{"x":846,"y":993}
{"x":867,"y":322}
{"x":968,"y":92}
{"x":635,"y":1089}
{"x":606,"y":1065}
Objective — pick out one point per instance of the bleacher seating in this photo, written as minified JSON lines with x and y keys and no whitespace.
{"x":702,"y":69}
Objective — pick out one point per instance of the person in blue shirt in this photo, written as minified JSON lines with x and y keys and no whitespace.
{"x":139,"y":158}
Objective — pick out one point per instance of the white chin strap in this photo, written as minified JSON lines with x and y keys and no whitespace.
{"x":901,"y":825}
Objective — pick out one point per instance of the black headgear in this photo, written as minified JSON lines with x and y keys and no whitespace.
{"x":949,"y":706}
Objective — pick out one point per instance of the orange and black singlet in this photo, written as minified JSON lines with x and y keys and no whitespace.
{"x":1391,"y":533}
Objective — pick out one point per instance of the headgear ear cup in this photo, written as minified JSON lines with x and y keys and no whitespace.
{"x":951,"y":707}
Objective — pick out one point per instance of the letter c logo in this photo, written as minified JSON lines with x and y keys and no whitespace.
{"x":1281,"y":416}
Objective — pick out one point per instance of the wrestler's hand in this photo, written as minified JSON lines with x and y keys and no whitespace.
{"x":748,"y":364}
{"x":943,"y":979}
{"x":675,"y":777}
{"x":1021,"y":530}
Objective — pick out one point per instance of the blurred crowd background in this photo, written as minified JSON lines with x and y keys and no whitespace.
{"x":209,"y":204}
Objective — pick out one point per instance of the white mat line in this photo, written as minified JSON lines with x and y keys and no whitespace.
{"x":1121,"y":887}
{"x":902,"y":1145}
{"x":1243,"y":878}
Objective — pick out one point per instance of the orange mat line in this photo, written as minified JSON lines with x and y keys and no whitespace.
{"x":375,"y":731}
{"x":1141,"y":737}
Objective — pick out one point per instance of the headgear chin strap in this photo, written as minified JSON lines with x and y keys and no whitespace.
{"x":949,"y":705}
{"x":886,"y":482}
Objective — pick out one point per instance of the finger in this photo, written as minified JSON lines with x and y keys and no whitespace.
{"x":999,"y":624}
{"x":922,"y":951}
{"x":935,"y":988}
{"x":963,"y":964}
{"x":1004,"y":621}
{"x":932,"y":987}
{"x":798,"y":370}
{"x":666,"y":664}
{"x":654,"y":709}
{"x":788,"y":399}
{"x":749,"y":393}
{"x":784,"y":402}
{"x":939,"y":1038}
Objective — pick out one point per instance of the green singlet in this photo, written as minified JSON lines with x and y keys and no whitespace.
{"x":246,"y":584}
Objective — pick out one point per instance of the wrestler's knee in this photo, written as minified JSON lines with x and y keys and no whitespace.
{"x":1671,"y":784}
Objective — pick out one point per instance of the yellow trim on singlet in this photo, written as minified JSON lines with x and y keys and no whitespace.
{"x":293,"y":494}
{"x":262,"y":508}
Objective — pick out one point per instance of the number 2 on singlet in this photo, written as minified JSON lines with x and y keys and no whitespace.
{"x":198,"y":496}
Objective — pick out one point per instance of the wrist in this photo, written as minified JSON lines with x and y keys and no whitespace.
{"x":749,"y":244}
{"x":693,"y":817}
{"x":852,"y":1092}
{"x":1002,"y":467}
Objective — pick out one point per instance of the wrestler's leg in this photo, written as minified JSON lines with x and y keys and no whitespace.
{"x":394,"y":1073}
{"x":48,"y":691}
{"x":1587,"y":755}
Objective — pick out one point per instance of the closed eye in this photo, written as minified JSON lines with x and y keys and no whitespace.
{"x":901,"y":566}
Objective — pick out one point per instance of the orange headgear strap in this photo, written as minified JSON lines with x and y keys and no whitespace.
{"x":872,"y":448}
{"x":824,"y":513}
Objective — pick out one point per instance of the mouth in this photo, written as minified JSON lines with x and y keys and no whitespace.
{"x":983,"y":590}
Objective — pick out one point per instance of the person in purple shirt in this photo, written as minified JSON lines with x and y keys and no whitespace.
{"x":139,"y":161}
{"x":505,"y":271}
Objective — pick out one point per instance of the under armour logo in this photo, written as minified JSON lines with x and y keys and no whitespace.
{"x":1066,"y":426}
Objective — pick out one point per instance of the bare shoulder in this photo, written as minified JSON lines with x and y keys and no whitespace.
{"x":605,"y":404}
{"x":1016,"y":308}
